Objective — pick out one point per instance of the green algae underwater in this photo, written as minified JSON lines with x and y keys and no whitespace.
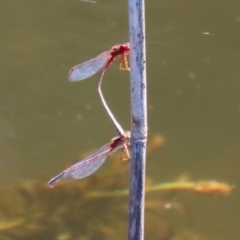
{"x":76,"y":210}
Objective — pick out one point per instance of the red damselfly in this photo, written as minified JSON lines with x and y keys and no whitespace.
{"x":102,"y":62}
{"x":92,"y":163}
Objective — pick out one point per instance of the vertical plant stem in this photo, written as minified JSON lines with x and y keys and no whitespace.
{"x":139,"y":119}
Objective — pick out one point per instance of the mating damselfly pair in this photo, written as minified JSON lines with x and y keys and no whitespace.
{"x":92,"y":163}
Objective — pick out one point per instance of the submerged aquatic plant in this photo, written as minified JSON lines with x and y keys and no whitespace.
{"x":70,"y":211}
{"x":74,"y":211}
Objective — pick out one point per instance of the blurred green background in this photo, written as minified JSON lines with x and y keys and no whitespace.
{"x":193,"y":77}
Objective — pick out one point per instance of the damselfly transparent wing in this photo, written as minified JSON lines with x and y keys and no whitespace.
{"x":92,"y":163}
{"x":88,"y":68}
{"x":86,"y":166}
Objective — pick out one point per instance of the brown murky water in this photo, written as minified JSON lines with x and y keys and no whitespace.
{"x":46,"y":123}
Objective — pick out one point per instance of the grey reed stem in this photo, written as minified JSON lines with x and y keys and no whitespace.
{"x":139,"y":119}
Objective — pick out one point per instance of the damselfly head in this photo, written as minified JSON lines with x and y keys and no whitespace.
{"x":121,"y":49}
